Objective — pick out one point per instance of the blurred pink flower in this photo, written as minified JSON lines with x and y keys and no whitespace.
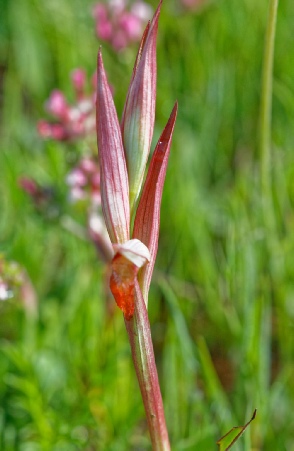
{"x":40,"y":195}
{"x":29,"y":186}
{"x":84,"y":182}
{"x":84,"y":185}
{"x":15,"y":283}
{"x":131,"y":25}
{"x":99,"y":235}
{"x":120,"y":22}
{"x":56,"y":105}
{"x":78,"y":78}
{"x":71,"y":121}
{"x":5,"y":292}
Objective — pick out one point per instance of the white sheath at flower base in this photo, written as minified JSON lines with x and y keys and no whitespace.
{"x":134,"y":251}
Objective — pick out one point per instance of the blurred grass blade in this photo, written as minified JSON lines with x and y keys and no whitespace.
{"x":185,"y":340}
{"x":228,"y":440}
{"x":214,"y":389}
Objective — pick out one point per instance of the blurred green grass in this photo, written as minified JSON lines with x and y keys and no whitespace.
{"x":222,"y":319}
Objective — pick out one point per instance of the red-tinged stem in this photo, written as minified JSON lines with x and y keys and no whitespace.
{"x":139,"y":333}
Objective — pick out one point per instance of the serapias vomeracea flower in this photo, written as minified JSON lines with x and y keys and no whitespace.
{"x":123,"y":153}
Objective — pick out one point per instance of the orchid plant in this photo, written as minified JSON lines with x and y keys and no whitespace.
{"x":123,"y":153}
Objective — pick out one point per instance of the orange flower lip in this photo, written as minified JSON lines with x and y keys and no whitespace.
{"x":128,"y":259}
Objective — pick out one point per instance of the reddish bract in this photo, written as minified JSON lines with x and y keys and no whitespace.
{"x":114,"y":176}
{"x":146,"y":227}
{"x":139,"y":111}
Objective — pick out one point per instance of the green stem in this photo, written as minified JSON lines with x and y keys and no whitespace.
{"x":266,"y":116}
{"x":274,"y":257}
{"x":139,"y":333}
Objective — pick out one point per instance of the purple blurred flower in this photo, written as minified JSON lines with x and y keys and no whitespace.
{"x":70,"y":121}
{"x":120,"y":22}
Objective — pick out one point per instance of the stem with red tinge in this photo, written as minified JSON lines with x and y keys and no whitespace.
{"x":138,"y":329}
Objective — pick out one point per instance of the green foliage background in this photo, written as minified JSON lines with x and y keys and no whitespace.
{"x":222,"y":299}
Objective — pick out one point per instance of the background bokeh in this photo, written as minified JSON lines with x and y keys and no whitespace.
{"x":222,"y":298}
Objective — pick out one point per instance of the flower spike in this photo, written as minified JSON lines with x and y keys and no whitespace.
{"x":146,"y":226}
{"x":114,"y":177}
{"x":139,"y":111}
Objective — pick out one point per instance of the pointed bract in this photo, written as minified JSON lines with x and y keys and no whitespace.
{"x":139,"y":54}
{"x":139,"y":111}
{"x":146,"y":226}
{"x":114,"y":177}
